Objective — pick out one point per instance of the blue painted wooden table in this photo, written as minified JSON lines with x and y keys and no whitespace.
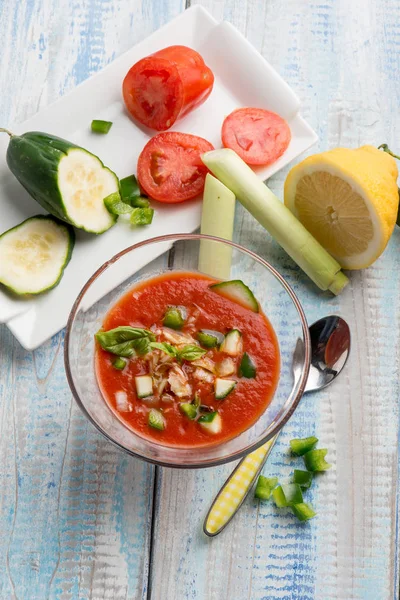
{"x":79,"y":519}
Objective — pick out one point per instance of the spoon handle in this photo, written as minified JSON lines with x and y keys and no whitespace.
{"x":235,"y":489}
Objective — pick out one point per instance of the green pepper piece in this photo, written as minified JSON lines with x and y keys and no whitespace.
{"x":156,"y":419}
{"x":315,"y":460}
{"x":119,"y":363}
{"x":130,"y":189}
{"x":174,"y":318}
{"x":115,"y":206}
{"x":300,"y":447}
{"x":99,"y":126}
{"x":188,"y":409}
{"x":303,"y":511}
{"x":287,"y":495}
{"x":264,"y":487}
{"x":247,"y":368}
{"x":279,"y":497}
{"x":210,"y":339}
{"x":142,"y":216}
{"x":303,"y":478}
{"x":140,"y":202}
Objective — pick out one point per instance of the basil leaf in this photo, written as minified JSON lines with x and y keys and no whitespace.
{"x":115,"y":206}
{"x":141,"y":216}
{"x":142,"y":345}
{"x":191,"y":352}
{"x":165,"y":347}
{"x":122,"y":340}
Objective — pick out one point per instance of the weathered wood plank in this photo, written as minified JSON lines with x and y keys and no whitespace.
{"x":75,"y":513}
{"x":343,"y":61}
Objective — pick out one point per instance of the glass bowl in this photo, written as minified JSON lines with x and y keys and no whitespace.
{"x":182,"y":252}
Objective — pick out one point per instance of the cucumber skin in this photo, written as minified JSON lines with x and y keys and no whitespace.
{"x":33,"y":159}
{"x":71,"y":244}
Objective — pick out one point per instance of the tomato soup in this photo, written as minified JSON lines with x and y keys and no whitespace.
{"x":185,"y":363}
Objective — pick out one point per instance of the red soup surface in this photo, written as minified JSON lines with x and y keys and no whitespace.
{"x":178,"y":383}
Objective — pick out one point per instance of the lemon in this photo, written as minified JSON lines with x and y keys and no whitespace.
{"x":348,"y":200}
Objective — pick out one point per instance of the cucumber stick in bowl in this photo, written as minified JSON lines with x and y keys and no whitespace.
{"x":65,"y":179}
{"x":34,"y":254}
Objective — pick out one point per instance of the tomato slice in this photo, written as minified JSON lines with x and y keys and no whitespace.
{"x":170,"y":168}
{"x":259,"y":136}
{"x":166,"y":85}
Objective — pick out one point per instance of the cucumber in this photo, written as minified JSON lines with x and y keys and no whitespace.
{"x":144,"y":386}
{"x":223,"y":387}
{"x":67,"y":180}
{"x":232,"y":343}
{"x":217,"y":219}
{"x":238,"y":292}
{"x":34,"y":254}
{"x":211,"y":422}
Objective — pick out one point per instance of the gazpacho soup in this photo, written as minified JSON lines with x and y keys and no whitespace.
{"x":186,"y":360}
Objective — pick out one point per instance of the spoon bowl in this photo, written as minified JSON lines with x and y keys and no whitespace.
{"x":330,"y":348}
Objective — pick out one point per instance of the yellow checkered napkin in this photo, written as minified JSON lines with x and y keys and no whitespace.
{"x":235,"y":488}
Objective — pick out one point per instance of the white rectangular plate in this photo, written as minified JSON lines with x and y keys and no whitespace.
{"x":242,"y":78}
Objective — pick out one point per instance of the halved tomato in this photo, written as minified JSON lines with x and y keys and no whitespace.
{"x":166,"y":85}
{"x":170,"y":168}
{"x":259,"y":136}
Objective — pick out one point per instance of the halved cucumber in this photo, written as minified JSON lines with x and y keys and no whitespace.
{"x":144,"y":386}
{"x":238,"y":292}
{"x":211,"y":422}
{"x":68,"y":181}
{"x":223,"y":387}
{"x":232,"y":343}
{"x":34,"y":254}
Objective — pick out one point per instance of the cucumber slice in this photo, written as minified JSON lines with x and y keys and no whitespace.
{"x":34,"y":254}
{"x":247,"y":368}
{"x":223,"y":387}
{"x":209,"y":338}
{"x":238,"y":292}
{"x":144,"y":386}
{"x":217,"y":219}
{"x":211,"y":422}
{"x":156,"y":419}
{"x":68,"y":181}
{"x":233,"y":343}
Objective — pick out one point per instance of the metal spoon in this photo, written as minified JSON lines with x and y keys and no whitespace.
{"x":330,"y":347}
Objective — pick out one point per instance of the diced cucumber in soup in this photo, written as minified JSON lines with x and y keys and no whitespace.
{"x":223,"y":387}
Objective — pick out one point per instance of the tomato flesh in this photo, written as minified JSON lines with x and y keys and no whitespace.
{"x":170,"y":168}
{"x":258,"y":136}
{"x":166,"y":85}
